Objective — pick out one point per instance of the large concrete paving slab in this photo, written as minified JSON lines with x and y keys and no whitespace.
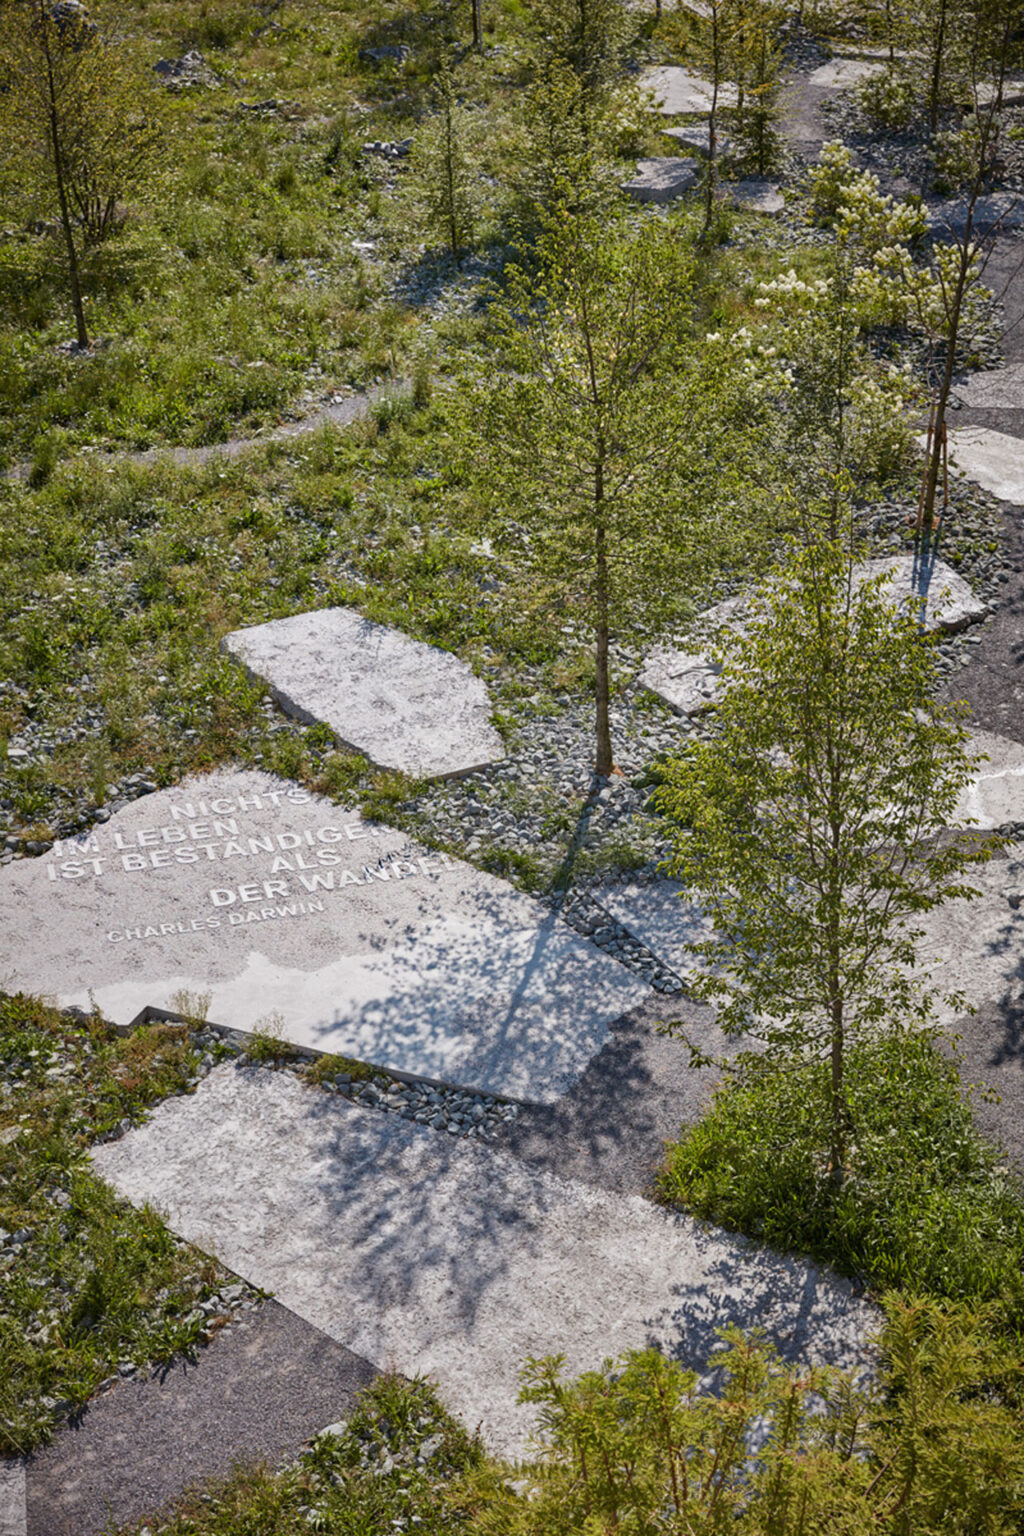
{"x":756,"y":195}
{"x":661,"y":180}
{"x":656,"y":913}
{"x":995,"y":797}
{"x":677,"y":90}
{"x":995,"y":389}
{"x":993,"y":460}
{"x":841,"y":74}
{"x":698,"y":136}
{"x":257,"y":1392}
{"x":456,"y":1261}
{"x":273,"y":901}
{"x":12,"y":1498}
{"x":971,"y":946}
{"x":405,"y":704}
{"x":998,"y":213}
{"x":690,"y":679}
{"x":976,"y":947}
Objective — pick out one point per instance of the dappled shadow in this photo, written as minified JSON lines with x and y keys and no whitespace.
{"x":451,"y":1258}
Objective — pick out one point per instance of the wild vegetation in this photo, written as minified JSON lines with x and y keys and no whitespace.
{"x":588,"y":421}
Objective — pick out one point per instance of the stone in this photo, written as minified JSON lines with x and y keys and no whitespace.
{"x":757,"y":196}
{"x":995,"y":389}
{"x":190,"y":70}
{"x":428,"y":1254}
{"x":387,"y":53}
{"x":686,"y":680}
{"x":998,"y":213}
{"x":289,"y":912}
{"x":995,"y":796}
{"x":678,"y":90}
{"x":840,"y":74}
{"x":698,"y":136}
{"x":973,"y":947}
{"x":661,"y":180}
{"x":12,"y":1497}
{"x":407,"y":705}
{"x":689,"y":680}
{"x":656,"y":913}
{"x":993,"y":460}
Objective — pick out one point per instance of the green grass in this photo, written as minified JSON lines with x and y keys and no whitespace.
{"x":392,"y":1466}
{"x":927,"y":1205}
{"x":95,"y":1283}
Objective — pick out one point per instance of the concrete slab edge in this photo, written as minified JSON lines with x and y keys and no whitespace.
{"x":13,"y":1504}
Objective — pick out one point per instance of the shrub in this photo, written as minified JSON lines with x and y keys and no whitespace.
{"x":926,"y":1204}
{"x":889,"y":98}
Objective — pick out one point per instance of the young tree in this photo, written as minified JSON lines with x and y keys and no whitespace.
{"x":588,"y":39}
{"x":812,"y":826}
{"x":70,"y":114}
{"x":445,"y":176}
{"x":610,"y":445}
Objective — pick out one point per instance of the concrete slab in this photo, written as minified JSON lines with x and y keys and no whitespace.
{"x":406,"y":705}
{"x":455,"y":1261}
{"x":977,"y":947}
{"x":698,"y":136}
{"x":995,"y":798}
{"x":660,"y":180}
{"x":998,"y":213}
{"x":655,"y":912}
{"x":689,"y":680}
{"x":273,"y":901}
{"x":757,"y":196}
{"x":678,"y":90}
{"x":12,"y":1498}
{"x":995,"y":389}
{"x":841,"y":74}
{"x":258,"y":1391}
{"x":993,"y":460}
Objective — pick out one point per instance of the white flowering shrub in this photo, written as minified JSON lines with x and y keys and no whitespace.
{"x":880,"y":433}
{"x":890,"y":97}
{"x":958,"y":152}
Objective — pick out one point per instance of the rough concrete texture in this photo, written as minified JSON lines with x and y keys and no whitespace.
{"x":995,"y":389}
{"x":689,"y":680}
{"x":455,"y":1260}
{"x":999,"y":213}
{"x":686,"y":680}
{"x":976,"y":947}
{"x":406,"y":705}
{"x":757,"y":196}
{"x":655,"y":912}
{"x":995,"y":797}
{"x":258,"y":1391}
{"x":840,"y":74}
{"x":994,"y":460}
{"x":272,"y":901}
{"x":661,"y":180}
{"x":677,"y":90}
{"x":698,"y":136}
{"x":611,"y":1128}
{"x":12,"y":1498}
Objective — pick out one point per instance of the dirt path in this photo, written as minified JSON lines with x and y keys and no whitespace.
{"x":354,"y":408}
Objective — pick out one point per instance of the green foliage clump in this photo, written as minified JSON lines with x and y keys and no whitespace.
{"x":926,"y":1205}
{"x":90,"y":1282}
{"x":640,"y":1446}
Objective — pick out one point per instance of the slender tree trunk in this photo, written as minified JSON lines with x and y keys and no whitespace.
{"x":56,"y":149}
{"x":709,"y":190}
{"x":449,"y":168}
{"x":935,"y":84}
{"x":933,"y":466}
{"x":603,"y":758}
{"x":478,"y":30}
